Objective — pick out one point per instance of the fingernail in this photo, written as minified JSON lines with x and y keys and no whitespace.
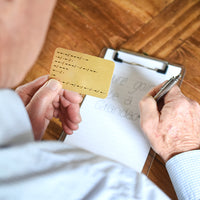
{"x":53,"y":84}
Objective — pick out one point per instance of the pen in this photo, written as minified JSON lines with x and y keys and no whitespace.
{"x":167,"y":87}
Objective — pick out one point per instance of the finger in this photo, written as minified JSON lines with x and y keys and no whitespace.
{"x":64,"y":102}
{"x":28,"y":90}
{"x":69,"y":124}
{"x":56,"y":113}
{"x":40,"y":103}
{"x":72,"y":97}
{"x":56,"y":105}
{"x":174,"y":94}
{"x":56,"y":102}
{"x":155,"y":90}
{"x":72,"y":113}
{"x":67,"y":130}
{"x":149,"y":115}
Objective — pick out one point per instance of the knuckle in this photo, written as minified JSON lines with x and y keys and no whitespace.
{"x":177,"y":88}
{"x":175,"y":91}
{"x":195,"y":104}
{"x":183,"y":102}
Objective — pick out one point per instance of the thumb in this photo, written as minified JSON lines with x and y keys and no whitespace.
{"x":149,"y":115}
{"x":27,"y":90}
{"x":39,"y":106}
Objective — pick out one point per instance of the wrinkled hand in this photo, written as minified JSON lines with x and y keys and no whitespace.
{"x":173,"y":129}
{"x":45,"y":99}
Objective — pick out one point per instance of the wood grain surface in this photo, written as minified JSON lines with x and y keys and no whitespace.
{"x":168,"y":29}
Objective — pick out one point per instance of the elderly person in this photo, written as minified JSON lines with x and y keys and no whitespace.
{"x":31,"y":169}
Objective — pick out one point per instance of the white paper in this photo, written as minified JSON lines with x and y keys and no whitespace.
{"x":110,"y":127}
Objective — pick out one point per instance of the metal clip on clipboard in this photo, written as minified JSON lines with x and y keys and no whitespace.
{"x":162,"y":71}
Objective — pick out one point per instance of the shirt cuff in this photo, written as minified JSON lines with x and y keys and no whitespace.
{"x":184,"y":171}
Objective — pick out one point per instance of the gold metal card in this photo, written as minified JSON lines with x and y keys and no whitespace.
{"x":82,"y":73}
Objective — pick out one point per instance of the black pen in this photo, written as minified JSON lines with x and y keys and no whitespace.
{"x":167,"y":87}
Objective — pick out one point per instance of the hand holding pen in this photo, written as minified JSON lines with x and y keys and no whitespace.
{"x":176,"y":127}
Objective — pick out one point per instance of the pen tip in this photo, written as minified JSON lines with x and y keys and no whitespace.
{"x":178,"y":76}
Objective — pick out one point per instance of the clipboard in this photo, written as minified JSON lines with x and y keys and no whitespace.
{"x":110,"y":127}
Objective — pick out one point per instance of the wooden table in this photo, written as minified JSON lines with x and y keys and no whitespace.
{"x":167,"y":29}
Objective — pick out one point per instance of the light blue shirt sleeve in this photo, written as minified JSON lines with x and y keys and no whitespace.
{"x":15,"y":128}
{"x":54,"y":170}
{"x":184,"y":171}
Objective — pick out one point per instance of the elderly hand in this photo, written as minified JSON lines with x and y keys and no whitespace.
{"x":173,"y":129}
{"x":45,"y":99}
